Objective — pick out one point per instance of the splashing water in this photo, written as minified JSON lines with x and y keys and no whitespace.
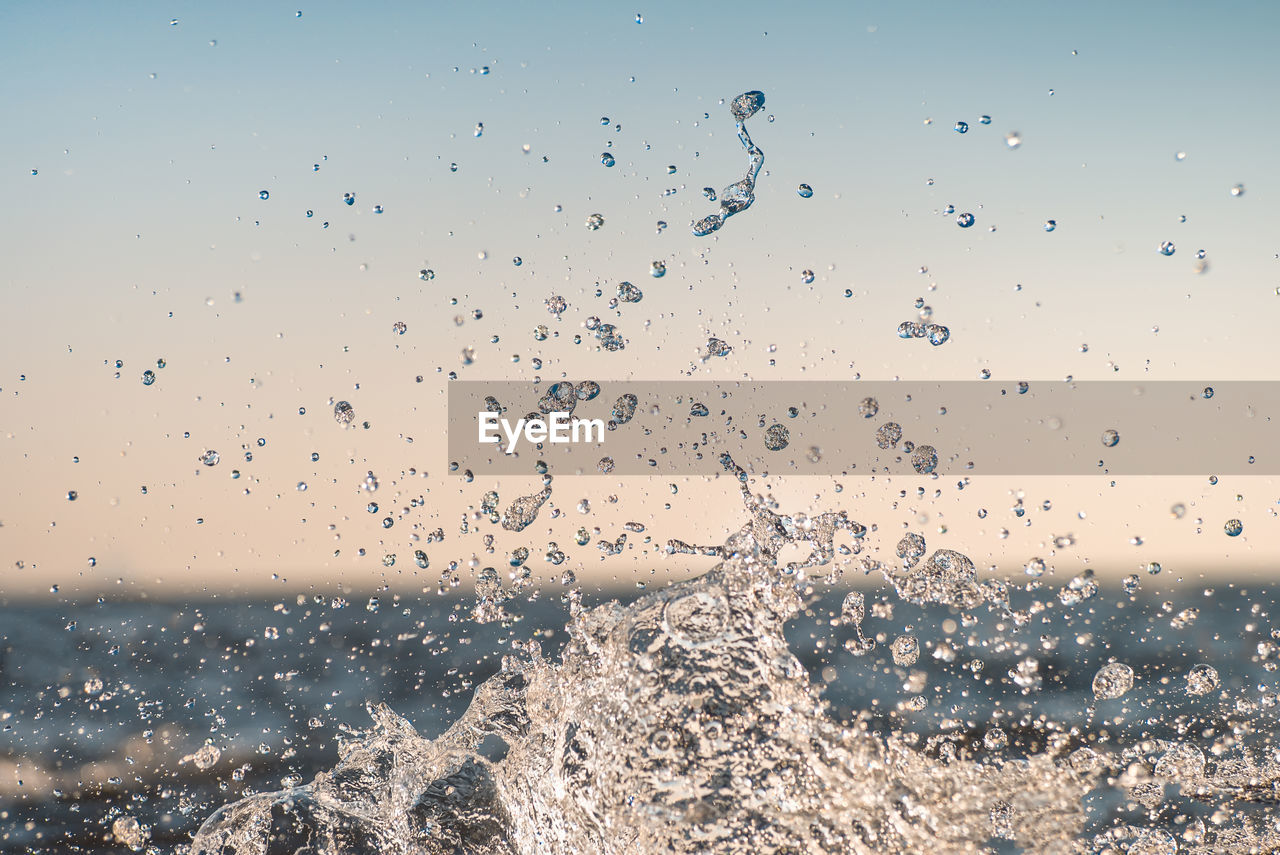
{"x":681,"y":723}
{"x":684,"y":723}
{"x":737,"y":197}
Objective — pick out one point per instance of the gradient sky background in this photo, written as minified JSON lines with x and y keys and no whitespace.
{"x":141,"y":236}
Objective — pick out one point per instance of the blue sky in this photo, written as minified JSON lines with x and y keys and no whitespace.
{"x":144,"y":222}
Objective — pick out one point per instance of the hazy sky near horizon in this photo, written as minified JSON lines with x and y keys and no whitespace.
{"x":140,"y":138}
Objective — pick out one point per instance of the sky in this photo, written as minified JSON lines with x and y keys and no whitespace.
{"x":140,"y":141}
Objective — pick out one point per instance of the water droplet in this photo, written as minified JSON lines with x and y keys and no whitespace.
{"x":377,"y":209}
{"x":605,"y":465}
{"x":349,"y":198}
{"x":746,"y":105}
{"x":1233,"y":528}
{"x":607,"y":159}
{"x":426,"y":274}
{"x":148,"y":377}
{"x":962,"y":127}
{"x":986,"y":120}
{"x":1112,"y":681}
{"x":1207,"y":393}
{"x":210,"y":458}
{"x":776,"y":437}
{"x":964,"y":221}
{"x":1167,"y":248}
{"x":868,"y":407}
{"x":399,"y":328}
{"x":807,"y":276}
{"x":937,"y":334}
{"x":1050,"y":225}
{"x":639,"y":18}
{"x":888,"y":435}
{"x":628,"y":293}
{"x":1202,"y":679}
{"x":1237,"y":190}
{"x":905,"y":649}
{"x":595,"y":221}
{"x":517,"y":261}
{"x":1013,"y":139}
{"x":624,"y":409}
{"x":658,"y":269}
{"x":924,"y":459}
{"x":343,"y":413}
{"x":264,"y":195}
{"x":805,"y":191}
{"x":1110,"y":438}
{"x":717,"y":347}
{"x":479,"y":132}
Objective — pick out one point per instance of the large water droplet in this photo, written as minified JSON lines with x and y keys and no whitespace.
{"x":1202,"y":679}
{"x":776,"y":437}
{"x":1112,"y":681}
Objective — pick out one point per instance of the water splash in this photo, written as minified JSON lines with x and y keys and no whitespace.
{"x":737,"y":197}
{"x":682,"y":723}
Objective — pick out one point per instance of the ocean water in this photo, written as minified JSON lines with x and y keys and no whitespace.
{"x":830,"y":704}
